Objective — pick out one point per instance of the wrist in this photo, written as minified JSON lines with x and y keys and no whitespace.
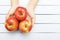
{"x":14,"y":6}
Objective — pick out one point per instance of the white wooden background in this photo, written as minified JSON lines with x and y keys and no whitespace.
{"x":47,"y":24}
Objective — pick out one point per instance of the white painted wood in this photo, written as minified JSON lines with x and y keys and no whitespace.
{"x":49,"y":2}
{"x":38,"y":9}
{"x":31,"y":36}
{"x":41,"y":2}
{"x":8,"y":2}
{"x":4,"y":9}
{"x":40,"y":31}
{"x":47,"y":10}
{"x":39,"y":18}
{"x":38,"y":28}
{"x":4,"y":2}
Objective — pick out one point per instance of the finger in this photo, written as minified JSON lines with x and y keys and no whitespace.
{"x":33,"y":20}
{"x":10,"y":12}
{"x":30,"y":13}
{"x":8,"y":15}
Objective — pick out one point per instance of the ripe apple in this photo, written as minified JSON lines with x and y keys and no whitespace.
{"x":20,"y":13}
{"x":11,"y":24}
{"x":25,"y":26}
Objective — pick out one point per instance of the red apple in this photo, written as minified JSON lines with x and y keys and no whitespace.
{"x":21,"y":13}
{"x":25,"y":26}
{"x":11,"y":24}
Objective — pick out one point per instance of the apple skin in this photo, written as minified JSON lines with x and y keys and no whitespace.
{"x":20,"y":13}
{"x":25,"y":26}
{"x":11,"y":24}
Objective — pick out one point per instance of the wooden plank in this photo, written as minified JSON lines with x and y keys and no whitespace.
{"x":39,"y":18}
{"x":43,"y":30}
{"x":8,"y":2}
{"x":4,"y":2}
{"x":38,"y":9}
{"x":4,"y":9}
{"x":41,"y":2}
{"x":49,"y":2}
{"x":31,"y":36}
{"x":47,"y":10}
{"x":38,"y":28}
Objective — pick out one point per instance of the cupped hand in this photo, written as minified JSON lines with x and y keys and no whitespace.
{"x":11,"y":12}
{"x":31,"y":15}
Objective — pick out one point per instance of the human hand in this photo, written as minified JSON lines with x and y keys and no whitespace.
{"x":10,"y":12}
{"x":31,"y":15}
{"x":30,"y":8}
{"x":14,"y":5}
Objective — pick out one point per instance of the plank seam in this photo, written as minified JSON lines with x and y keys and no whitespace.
{"x":40,"y":23}
{"x":37,"y":5}
{"x":36,"y":14}
{"x":33,"y":32}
